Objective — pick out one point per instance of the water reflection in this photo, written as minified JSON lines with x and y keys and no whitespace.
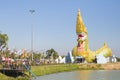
{"x":84,"y":75}
{"x":98,"y":75}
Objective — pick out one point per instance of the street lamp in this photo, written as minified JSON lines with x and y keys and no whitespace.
{"x":32,"y":11}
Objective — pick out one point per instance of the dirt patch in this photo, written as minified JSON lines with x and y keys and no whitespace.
{"x":111,"y":66}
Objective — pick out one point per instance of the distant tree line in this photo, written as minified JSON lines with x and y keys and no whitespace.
{"x":4,"y":51}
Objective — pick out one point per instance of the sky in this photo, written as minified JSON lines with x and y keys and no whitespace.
{"x":54,"y":24}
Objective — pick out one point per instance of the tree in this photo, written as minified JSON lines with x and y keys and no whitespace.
{"x":55,"y":55}
{"x":6,"y":52}
{"x":3,"y":43}
{"x":51,"y":54}
{"x":37,"y":56}
{"x":3,"y":39}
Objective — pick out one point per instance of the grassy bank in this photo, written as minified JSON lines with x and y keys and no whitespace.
{"x":50,"y":69}
{"x":4,"y":77}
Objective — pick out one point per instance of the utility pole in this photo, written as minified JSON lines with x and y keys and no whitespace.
{"x":32,"y":12}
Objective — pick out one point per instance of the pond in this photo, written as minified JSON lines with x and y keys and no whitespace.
{"x":84,"y":75}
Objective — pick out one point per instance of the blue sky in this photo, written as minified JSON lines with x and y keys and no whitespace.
{"x":54,"y":23}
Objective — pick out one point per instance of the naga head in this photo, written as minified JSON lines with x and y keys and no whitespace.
{"x":82,"y":37}
{"x":81,"y":32}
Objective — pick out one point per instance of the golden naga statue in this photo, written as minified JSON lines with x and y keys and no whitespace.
{"x":82,"y":48}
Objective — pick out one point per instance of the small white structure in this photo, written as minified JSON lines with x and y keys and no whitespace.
{"x":101,"y":59}
{"x":60,"y":60}
{"x":67,"y":59}
{"x":112,"y":59}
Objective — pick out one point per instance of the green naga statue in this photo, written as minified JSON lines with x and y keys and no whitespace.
{"x":82,"y":48}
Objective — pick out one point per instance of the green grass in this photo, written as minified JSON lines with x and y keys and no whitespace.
{"x":4,"y":77}
{"x":56,"y":68}
{"x":50,"y":69}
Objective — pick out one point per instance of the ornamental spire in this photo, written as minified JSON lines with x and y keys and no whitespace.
{"x":79,"y":24}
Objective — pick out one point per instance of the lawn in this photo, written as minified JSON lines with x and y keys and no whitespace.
{"x":56,"y":68}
